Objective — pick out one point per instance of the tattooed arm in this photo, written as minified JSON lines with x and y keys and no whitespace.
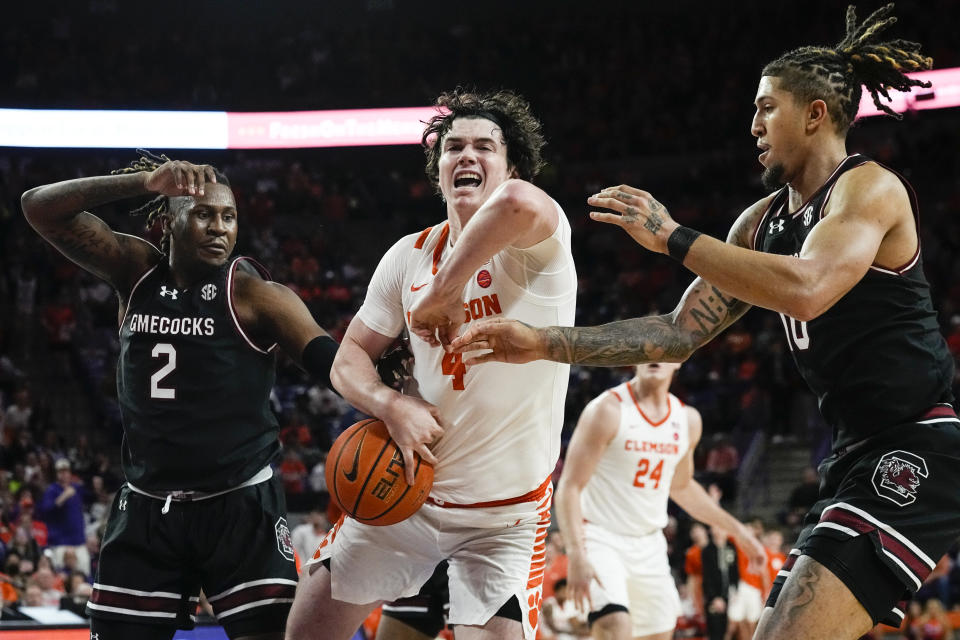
{"x":57,"y":212}
{"x":704,"y":311}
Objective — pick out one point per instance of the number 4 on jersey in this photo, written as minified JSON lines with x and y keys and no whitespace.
{"x":452,"y":365}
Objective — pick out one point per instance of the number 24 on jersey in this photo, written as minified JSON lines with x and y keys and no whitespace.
{"x":641,"y":479}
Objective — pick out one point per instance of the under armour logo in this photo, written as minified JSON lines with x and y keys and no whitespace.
{"x":208,"y":292}
{"x":168,"y":292}
{"x":94,"y":635}
{"x":123,"y":504}
{"x":776,"y":225}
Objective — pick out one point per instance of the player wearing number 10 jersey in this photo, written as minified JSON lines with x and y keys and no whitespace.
{"x":201,"y":508}
{"x":504,"y":250}
{"x":836,"y":248}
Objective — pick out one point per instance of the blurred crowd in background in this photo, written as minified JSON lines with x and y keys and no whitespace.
{"x":657,"y":98}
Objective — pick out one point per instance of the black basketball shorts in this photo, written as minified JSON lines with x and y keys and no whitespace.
{"x":427,"y":611}
{"x":899,"y":490}
{"x":235,"y":546}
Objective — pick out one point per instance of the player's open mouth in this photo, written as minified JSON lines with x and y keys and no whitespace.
{"x":467,"y":179}
{"x":764,"y":150}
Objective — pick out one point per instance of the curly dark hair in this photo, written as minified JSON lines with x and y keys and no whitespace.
{"x":521,"y":130}
{"x":159,"y":206}
{"x":835,"y":74}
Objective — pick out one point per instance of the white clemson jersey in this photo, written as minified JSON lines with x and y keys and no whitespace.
{"x":502,"y":438}
{"x":629,"y":490}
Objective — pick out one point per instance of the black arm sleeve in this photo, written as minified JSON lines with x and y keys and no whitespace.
{"x":318,"y":357}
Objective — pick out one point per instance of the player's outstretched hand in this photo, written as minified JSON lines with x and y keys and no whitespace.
{"x":437,"y":315}
{"x":580,"y":573}
{"x":414,"y":425}
{"x":637,"y":212}
{"x":503,"y":340}
{"x":179,"y":178}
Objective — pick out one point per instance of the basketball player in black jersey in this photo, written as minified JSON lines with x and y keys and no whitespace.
{"x":201,"y":508}
{"x":836,"y":251}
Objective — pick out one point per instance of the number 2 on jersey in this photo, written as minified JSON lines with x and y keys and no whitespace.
{"x":452,"y":365}
{"x":156,"y":391}
{"x":642,"y":468}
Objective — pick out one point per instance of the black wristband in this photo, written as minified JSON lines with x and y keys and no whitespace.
{"x":679,"y":242}
{"x":318,"y":357}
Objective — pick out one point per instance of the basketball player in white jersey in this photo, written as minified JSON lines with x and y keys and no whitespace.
{"x":632,"y":450}
{"x":492,"y":433}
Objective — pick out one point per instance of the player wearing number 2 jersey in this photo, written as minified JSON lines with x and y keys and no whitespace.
{"x":201,"y":508}
{"x":631,"y":451}
{"x":836,"y":250}
{"x":504,"y":250}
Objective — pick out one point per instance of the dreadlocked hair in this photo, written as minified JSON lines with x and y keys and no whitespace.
{"x":521,"y":130}
{"x":159,"y":206}
{"x":835,"y":74}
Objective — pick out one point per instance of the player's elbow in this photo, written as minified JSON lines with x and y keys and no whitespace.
{"x":516,"y":203}
{"x":808,"y":305}
{"x":811,"y":289}
{"x":338,"y":370}
{"x":28,"y":202}
{"x":801,"y":310}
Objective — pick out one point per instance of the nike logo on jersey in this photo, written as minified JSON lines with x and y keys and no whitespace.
{"x":416,"y":288}
{"x":351,"y":475}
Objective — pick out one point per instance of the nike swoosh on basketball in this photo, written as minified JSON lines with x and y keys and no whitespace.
{"x":416,"y":288}
{"x":352,"y":474}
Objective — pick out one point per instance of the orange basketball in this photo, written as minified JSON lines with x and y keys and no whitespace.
{"x":365,"y":476}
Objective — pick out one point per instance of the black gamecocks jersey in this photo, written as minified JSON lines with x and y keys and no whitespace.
{"x":876,"y":358}
{"x":193,"y":388}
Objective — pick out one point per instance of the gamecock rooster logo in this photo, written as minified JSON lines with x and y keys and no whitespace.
{"x":898,"y":475}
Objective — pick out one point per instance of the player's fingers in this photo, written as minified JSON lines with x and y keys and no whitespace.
{"x":458,"y":346}
{"x":191,"y":179}
{"x":409,"y":464}
{"x":443,"y":335}
{"x":607,"y":203}
{"x":427,"y":456}
{"x":177,"y":174}
{"x":597,"y":578}
{"x":609,"y":218}
{"x":584,"y":603}
{"x":439,"y":422}
{"x":201,"y":178}
{"x":628,"y":190}
{"x":448,"y":334}
{"x":467,"y":341}
{"x":211,"y":174}
{"x":425,"y":335}
{"x":480,"y":359}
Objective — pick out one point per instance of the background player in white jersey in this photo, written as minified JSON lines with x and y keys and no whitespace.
{"x":631,"y":451}
{"x":493,"y":433}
